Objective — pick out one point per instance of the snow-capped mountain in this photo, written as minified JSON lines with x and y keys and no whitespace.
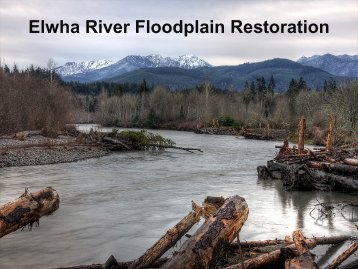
{"x":340,"y":65}
{"x":72,"y":68}
{"x":102,"y":69}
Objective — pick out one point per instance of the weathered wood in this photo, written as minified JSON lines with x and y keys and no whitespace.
{"x":331,"y":133}
{"x":301,"y":135}
{"x":305,"y":258}
{"x":116,"y":142}
{"x":175,"y":147}
{"x":342,"y":257}
{"x":27,"y":209}
{"x":211,"y":205}
{"x":288,"y":240}
{"x":166,"y":241}
{"x":218,"y":201}
{"x":205,"y":246}
{"x":120,"y":265}
{"x":274,"y":256}
{"x":342,"y":169}
{"x":301,"y":177}
{"x":351,"y":161}
{"x":259,"y":243}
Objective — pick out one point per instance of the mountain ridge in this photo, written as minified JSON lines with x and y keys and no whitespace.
{"x":188,"y":71}
{"x":339,"y":65}
{"x":97,"y":70}
{"x":230,"y":77}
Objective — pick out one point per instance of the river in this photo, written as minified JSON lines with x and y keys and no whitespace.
{"x":122,"y":203}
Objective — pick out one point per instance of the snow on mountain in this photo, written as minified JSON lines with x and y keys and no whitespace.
{"x":96,"y":70}
{"x":340,"y":65}
{"x":72,"y":68}
{"x":190,"y":62}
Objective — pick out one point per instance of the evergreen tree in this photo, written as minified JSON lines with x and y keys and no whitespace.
{"x":246,"y":86}
{"x":253,"y":91}
{"x":302,"y":85}
{"x":271,"y":86}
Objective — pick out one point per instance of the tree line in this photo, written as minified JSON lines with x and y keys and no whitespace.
{"x":37,"y":98}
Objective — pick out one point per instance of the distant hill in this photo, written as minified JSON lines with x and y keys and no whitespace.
{"x":340,"y":65}
{"x":99,"y":70}
{"x":229,"y":77}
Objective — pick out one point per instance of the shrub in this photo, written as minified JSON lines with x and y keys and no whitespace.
{"x":143,"y":140}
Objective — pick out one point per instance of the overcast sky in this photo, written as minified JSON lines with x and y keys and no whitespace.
{"x":19,"y":46}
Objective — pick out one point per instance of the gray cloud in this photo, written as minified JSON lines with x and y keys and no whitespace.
{"x":18,"y":45}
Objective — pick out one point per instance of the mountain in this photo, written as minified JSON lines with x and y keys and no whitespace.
{"x":340,"y":65}
{"x":99,"y":70}
{"x":228,"y":77}
{"x":72,"y":68}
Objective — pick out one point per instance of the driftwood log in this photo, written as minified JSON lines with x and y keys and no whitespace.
{"x":203,"y":248}
{"x":305,"y":258}
{"x":275,"y":256}
{"x":342,"y":257}
{"x":27,"y":209}
{"x":263,"y":243}
{"x":351,"y":161}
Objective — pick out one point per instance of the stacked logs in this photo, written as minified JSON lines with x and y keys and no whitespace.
{"x":329,"y":168}
{"x":314,"y":169}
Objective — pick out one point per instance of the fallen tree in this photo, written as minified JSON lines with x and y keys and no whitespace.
{"x":27,"y":210}
{"x":130,"y":140}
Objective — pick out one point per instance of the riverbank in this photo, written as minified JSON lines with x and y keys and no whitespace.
{"x":41,"y":150}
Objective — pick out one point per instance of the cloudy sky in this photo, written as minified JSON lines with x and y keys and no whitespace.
{"x":17,"y":45}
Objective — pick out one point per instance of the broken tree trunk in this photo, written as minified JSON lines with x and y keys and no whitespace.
{"x":305,"y":258}
{"x":203,"y":248}
{"x":27,"y":209}
{"x":342,"y":257}
{"x":331,"y":133}
{"x":274,"y":256}
{"x":167,"y":241}
{"x":211,"y":205}
{"x":301,"y":135}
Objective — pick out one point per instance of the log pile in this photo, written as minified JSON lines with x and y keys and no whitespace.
{"x":335,"y":170}
{"x":330,"y":168}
